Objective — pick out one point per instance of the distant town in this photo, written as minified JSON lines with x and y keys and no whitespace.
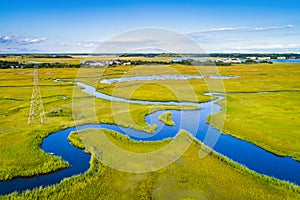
{"x":101,"y":60}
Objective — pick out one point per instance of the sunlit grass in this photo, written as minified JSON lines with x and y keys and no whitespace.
{"x":19,"y":142}
{"x":212,"y":177}
{"x":166,"y":118}
{"x":269,"y":120}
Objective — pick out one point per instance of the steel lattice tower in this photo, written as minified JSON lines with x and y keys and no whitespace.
{"x":37,"y":113}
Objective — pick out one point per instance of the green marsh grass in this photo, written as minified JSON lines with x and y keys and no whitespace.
{"x":189,"y":177}
{"x":166,"y":118}
{"x":268,"y":120}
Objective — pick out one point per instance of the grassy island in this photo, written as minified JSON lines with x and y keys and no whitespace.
{"x":166,"y":118}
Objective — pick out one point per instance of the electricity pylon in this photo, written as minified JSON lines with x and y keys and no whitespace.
{"x":37,"y":113}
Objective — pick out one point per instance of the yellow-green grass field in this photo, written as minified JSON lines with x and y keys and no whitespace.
{"x":269,"y":120}
{"x":76,"y":59}
{"x":247,"y":116}
{"x":166,"y":118}
{"x":254,"y":78}
{"x":19,"y":142}
{"x":189,"y":177}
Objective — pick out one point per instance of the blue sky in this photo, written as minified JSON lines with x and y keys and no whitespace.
{"x":217,"y":26}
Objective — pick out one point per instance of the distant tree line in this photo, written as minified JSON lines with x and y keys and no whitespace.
{"x":192,"y":62}
{"x":147,"y":55}
{"x":250,"y":61}
{"x":11,"y":64}
{"x":189,"y":62}
{"x":37,"y":55}
{"x":8,"y":64}
{"x":151,"y":55}
{"x":234,"y":55}
{"x":245,"y":55}
{"x":152,"y":62}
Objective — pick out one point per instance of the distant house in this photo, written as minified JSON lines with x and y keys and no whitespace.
{"x":264,"y":58}
{"x":127,"y":63}
{"x":252,"y":58}
{"x":281,"y":58}
{"x":117,"y":62}
{"x":235,"y":61}
{"x":95,"y":63}
{"x":226,"y":61}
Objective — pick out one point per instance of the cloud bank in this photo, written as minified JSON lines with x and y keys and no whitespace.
{"x":19,"y":40}
{"x":245,"y":28}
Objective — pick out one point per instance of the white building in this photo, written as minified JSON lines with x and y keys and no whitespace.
{"x":264,"y":58}
{"x":281,"y":58}
{"x":127,"y":63}
{"x":236,"y":61}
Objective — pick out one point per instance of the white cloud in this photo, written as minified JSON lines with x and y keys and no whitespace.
{"x":244,"y":28}
{"x":19,"y":40}
{"x":87,"y":44}
{"x":246,"y":39}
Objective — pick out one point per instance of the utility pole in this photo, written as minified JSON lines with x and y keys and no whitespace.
{"x":37,"y":112}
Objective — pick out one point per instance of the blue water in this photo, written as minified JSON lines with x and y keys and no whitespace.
{"x":287,"y":61}
{"x":162,"y":77}
{"x":149,"y":78}
{"x":58,"y":144}
{"x":178,"y":59}
{"x":193,"y":121}
{"x":201,"y":59}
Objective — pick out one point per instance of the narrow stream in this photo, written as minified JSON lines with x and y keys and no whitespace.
{"x":243,"y":152}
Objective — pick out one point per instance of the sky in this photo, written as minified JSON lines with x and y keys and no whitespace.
{"x":80,"y":26}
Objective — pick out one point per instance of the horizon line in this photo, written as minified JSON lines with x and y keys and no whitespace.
{"x":110,"y":53}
